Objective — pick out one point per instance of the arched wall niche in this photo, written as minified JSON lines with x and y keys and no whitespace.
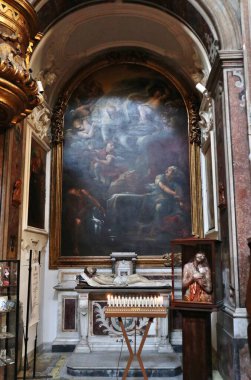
{"x":211,"y":20}
{"x":185,"y":64}
{"x":74,"y":41}
{"x":49,"y":13}
{"x":139,"y":62}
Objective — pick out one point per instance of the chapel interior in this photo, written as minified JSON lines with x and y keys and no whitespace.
{"x":125,"y":184}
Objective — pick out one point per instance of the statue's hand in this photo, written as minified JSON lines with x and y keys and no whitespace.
{"x":197,"y":276}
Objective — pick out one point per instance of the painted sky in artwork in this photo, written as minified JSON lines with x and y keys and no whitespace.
{"x":125,"y":164}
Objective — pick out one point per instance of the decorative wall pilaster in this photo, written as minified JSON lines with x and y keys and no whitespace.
{"x":227,"y":85}
{"x":245,"y":7}
{"x":240,"y":183}
{"x":34,"y":240}
{"x":228,"y":90}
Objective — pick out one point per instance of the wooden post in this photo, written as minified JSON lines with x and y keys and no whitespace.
{"x":197,"y":357}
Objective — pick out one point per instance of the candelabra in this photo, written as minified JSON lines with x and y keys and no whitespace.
{"x":135,"y":306}
{"x":149,"y":307}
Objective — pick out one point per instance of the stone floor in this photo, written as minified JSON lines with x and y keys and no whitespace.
{"x":55,"y":365}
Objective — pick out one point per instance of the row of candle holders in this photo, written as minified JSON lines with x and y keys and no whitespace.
{"x":121,"y":301}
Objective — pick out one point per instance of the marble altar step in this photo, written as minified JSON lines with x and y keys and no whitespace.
{"x":111,"y":365}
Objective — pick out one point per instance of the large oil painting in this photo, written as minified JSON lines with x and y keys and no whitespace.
{"x":36,"y":209}
{"x":125,"y":184}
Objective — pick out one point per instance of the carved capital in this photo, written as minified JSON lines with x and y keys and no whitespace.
{"x":34,"y":242}
{"x":40,"y":120}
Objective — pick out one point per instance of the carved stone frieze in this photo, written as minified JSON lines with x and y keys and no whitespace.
{"x":40,"y":120}
{"x":57,"y":119}
{"x":194,"y":126}
{"x":19,"y":92}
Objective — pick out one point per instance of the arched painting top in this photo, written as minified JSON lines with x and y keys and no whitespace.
{"x":54,"y":10}
{"x":125,"y":183}
{"x":125,"y":141}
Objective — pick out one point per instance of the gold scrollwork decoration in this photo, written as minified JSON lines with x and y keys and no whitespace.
{"x":19,"y":15}
{"x":57,"y":119}
{"x":19,"y":92}
{"x":195,"y":173}
{"x":195,"y":130}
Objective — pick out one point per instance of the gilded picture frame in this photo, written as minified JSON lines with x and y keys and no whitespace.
{"x":209,"y":179}
{"x":35,"y":183}
{"x":59,"y":126}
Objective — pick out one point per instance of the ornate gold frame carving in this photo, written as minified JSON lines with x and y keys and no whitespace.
{"x":57,"y":132}
{"x":56,"y":260}
{"x":195,"y":169}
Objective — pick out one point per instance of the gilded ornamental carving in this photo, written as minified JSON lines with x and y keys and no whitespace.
{"x":57,"y":133}
{"x":195,"y":131}
{"x":19,"y":92}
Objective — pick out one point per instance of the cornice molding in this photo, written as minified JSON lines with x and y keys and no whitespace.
{"x":226,"y":59}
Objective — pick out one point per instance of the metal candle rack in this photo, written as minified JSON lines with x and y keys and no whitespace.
{"x":141,"y":307}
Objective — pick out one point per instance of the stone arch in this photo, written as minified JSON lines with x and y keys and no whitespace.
{"x":186,"y":49}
